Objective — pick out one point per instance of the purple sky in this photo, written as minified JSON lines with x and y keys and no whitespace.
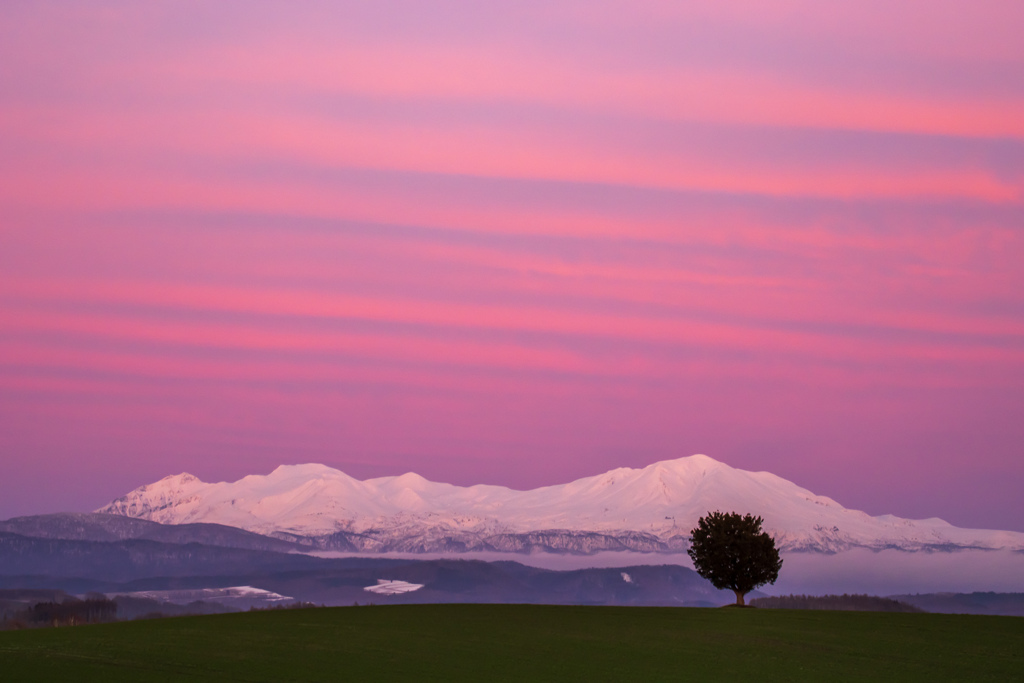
{"x":514,"y":244}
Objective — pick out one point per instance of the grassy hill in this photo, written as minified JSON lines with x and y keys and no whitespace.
{"x":525,"y":642}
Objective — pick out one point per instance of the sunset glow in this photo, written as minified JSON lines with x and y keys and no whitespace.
{"x":515,"y":244}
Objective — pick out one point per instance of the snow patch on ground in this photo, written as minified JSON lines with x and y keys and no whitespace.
{"x":389,"y":587}
{"x":232,"y":596}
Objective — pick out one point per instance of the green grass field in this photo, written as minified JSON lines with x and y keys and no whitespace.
{"x":520,"y":642}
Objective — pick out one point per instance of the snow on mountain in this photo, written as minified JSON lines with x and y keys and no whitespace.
{"x":648,"y":509}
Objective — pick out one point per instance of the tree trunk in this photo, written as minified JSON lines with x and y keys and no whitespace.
{"x":739,"y":598}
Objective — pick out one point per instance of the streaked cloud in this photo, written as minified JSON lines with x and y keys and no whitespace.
{"x":515,"y":244}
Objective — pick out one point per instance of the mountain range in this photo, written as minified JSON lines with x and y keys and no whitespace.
{"x":648,"y":510}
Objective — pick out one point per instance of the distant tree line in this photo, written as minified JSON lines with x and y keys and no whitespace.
{"x":1007,"y":604}
{"x":844,"y":602}
{"x":66,"y":610}
{"x":290,"y":605}
{"x":94,"y":609}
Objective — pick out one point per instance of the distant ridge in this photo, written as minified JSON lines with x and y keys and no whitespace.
{"x":650,"y":510}
{"x":78,"y":526}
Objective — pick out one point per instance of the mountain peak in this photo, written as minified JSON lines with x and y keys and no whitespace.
{"x":305,"y":470}
{"x":411,"y":480}
{"x":694,"y":462}
{"x":656,"y":504}
{"x":701,"y":459}
{"x":175,"y":481}
{"x":690,"y":467}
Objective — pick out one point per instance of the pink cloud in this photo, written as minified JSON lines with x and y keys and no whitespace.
{"x":516,"y":244}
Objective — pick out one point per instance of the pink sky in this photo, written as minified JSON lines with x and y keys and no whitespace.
{"x":514,"y":244}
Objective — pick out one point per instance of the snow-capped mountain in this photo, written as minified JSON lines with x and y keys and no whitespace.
{"x":650,"y":509}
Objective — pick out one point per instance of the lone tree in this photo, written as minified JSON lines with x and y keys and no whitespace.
{"x":733,"y":553}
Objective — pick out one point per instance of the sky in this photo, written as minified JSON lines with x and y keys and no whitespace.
{"x":514,"y":243}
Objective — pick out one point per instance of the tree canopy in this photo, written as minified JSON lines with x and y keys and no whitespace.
{"x":733,"y":553}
